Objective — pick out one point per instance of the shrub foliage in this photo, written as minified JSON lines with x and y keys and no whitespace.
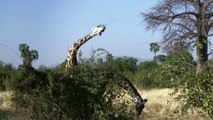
{"x":87,"y":92}
{"x":80,"y":93}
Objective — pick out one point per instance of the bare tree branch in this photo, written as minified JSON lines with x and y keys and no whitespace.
{"x":183,"y":20}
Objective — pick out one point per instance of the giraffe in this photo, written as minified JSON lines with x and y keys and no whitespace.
{"x":122,"y":81}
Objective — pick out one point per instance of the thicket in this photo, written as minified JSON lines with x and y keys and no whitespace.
{"x":78,"y":94}
{"x":178,"y":71}
{"x":195,"y":92}
{"x":6,"y":70}
{"x":86,"y":92}
{"x":160,"y":72}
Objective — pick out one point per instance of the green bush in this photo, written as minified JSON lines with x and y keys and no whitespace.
{"x":6,"y":71}
{"x":163,"y":71}
{"x":152,"y":75}
{"x":79,"y":93}
{"x":177,"y":57}
{"x":196,"y":91}
{"x":84,"y":92}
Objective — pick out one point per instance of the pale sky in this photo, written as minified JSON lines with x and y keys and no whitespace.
{"x":51,"y":26}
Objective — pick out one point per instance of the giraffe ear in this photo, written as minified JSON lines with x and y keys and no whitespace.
{"x":145,"y":100}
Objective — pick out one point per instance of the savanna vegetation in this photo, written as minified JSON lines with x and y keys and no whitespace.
{"x":83,"y":93}
{"x":52,"y":93}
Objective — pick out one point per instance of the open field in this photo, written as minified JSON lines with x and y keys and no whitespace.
{"x":158,"y":107}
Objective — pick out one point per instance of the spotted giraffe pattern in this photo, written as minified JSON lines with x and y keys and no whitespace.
{"x":124,"y":83}
{"x":119,"y":79}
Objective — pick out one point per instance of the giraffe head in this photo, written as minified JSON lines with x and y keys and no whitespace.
{"x":140,"y":106}
{"x":98,"y":30}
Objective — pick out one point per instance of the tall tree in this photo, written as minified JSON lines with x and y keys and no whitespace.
{"x":27,"y":55}
{"x":188,"y":20}
{"x":154,"y":47}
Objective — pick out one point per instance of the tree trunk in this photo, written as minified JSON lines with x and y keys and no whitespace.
{"x":201,"y":52}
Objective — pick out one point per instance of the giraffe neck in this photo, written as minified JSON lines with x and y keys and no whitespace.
{"x":129,"y":87}
{"x":72,"y":53}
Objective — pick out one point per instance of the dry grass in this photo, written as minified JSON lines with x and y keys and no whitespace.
{"x":160,"y":106}
{"x":5,"y":102}
{"x":6,"y":110}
